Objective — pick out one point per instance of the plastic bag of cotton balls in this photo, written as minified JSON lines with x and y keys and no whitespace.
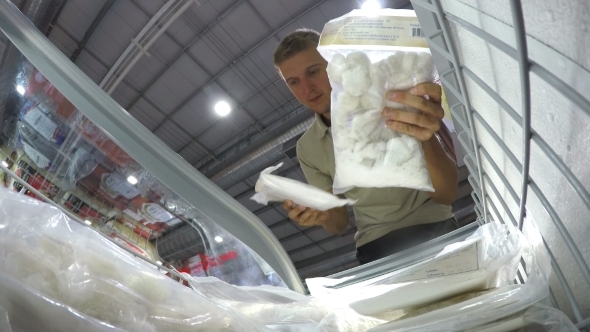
{"x":367,"y":152}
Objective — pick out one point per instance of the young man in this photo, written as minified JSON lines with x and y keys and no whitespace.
{"x":388,"y":220}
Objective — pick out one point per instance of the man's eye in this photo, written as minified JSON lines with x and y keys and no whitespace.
{"x":314,"y":72}
{"x":292,"y":82}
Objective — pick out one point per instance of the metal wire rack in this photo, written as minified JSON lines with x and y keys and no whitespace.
{"x":491,"y":159}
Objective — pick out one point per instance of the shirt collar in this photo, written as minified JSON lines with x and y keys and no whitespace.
{"x":319,"y":127}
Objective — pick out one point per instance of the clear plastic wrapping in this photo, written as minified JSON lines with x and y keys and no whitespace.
{"x":368,"y":54}
{"x":489,"y":258}
{"x":498,"y":304}
{"x":271,"y":187}
{"x":58,"y":275}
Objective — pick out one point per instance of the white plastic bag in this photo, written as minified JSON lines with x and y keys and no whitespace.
{"x":537,"y":318}
{"x":57,"y":275}
{"x":493,"y":306}
{"x":370,"y":53}
{"x":489,"y":258}
{"x":271,"y":187}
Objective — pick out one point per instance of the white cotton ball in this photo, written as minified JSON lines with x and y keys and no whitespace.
{"x":378,"y":73}
{"x":398,"y":151}
{"x":401,"y":81}
{"x":357,"y":59}
{"x":393,"y":63}
{"x":424,"y":61}
{"x":374,"y":98}
{"x":407,"y":64}
{"x":424,"y":68}
{"x":346,"y":102}
{"x":356,"y":81}
{"x":385,"y":134}
{"x":365,"y":126}
{"x":335,"y":68}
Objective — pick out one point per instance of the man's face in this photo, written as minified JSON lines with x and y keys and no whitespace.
{"x":306,"y":76}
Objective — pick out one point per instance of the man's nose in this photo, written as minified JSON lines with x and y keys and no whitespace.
{"x":307,"y":85}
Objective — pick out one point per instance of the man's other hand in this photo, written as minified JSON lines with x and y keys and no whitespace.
{"x":305,"y":216}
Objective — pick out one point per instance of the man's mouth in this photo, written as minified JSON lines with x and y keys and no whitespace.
{"x":313,"y":100}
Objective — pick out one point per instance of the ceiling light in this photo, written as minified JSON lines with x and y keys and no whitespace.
{"x":88,"y":222}
{"x":132,"y":179}
{"x":20,"y":89}
{"x":218,"y":238}
{"x":371,"y":5}
{"x":222,"y":108}
{"x":4,"y":163}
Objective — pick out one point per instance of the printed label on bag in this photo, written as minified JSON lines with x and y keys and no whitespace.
{"x":41,"y":123}
{"x":39,"y":159}
{"x":464,"y":260}
{"x":377,"y":30}
{"x":114,"y":185}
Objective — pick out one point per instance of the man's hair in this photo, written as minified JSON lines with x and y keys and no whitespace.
{"x":295,"y":42}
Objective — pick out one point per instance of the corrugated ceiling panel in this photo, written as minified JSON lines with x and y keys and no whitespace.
{"x":221,"y":5}
{"x":151,"y":6}
{"x":162,"y":96}
{"x":123,"y":94}
{"x":164,"y":49}
{"x":131,"y":14}
{"x":233,"y":81}
{"x":65,"y":44}
{"x":273,"y":12}
{"x":77,"y":16}
{"x":181,"y":31}
{"x":306,"y":254}
{"x":236,"y":189}
{"x":245,"y":26}
{"x":145,"y":113}
{"x":295,"y":7}
{"x":111,"y":38}
{"x":197,"y":115}
{"x":91,"y":67}
{"x":192,"y":153}
{"x":284,"y":230}
{"x":268,"y":217}
{"x":296,"y":243}
{"x":192,"y":72}
{"x":207,"y":53}
{"x":171,"y":134}
{"x":224,"y":42}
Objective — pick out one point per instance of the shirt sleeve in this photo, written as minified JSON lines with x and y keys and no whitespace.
{"x":313,"y":175}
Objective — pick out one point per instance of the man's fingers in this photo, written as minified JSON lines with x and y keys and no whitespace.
{"x":426,"y":106}
{"x":288,"y":205}
{"x":420,"y":120}
{"x":432,"y":90}
{"x":307,"y":215}
{"x":421,"y":134}
{"x":295,"y":213}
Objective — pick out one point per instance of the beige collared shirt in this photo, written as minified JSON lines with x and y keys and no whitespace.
{"x":378,"y":211}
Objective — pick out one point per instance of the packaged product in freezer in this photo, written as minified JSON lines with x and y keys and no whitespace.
{"x":38,"y":87}
{"x":110,"y":186}
{"x":38,"y":118}
{"x":271,"y":187}
{"x":368,"y":55}
{"x":51,"y":263}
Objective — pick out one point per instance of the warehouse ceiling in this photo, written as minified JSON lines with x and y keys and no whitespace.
{"x":193,"y":55}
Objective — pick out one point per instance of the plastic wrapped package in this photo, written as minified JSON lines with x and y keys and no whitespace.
{"x":537,"y":318}
{"x":282,"y":309}
{"x":497,"y":304}
{"x":71,"y":266}
{"x":271,"y":187}
{"x":489,"y":258}
{"x":58,"y":275}
{"x":362,"y":66}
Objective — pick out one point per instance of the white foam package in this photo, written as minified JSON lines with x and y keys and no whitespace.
{"x":368,"y":54}
{"x":270,"y":187}
{"x":58,"y":275}
{"x":467,"y":285}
